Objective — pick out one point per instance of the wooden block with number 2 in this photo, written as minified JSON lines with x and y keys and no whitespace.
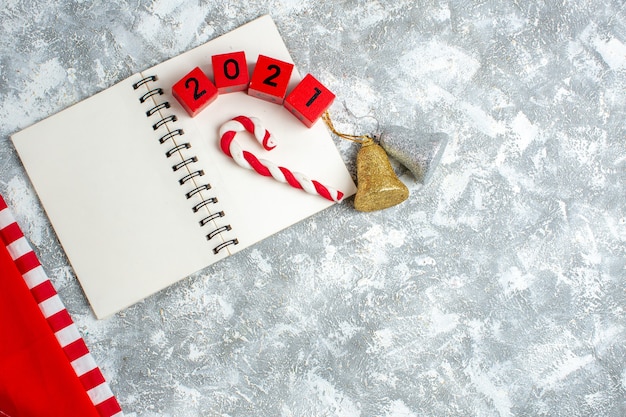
{"x":194,"y":91}
{"x":309,"y":100}
{"x":270,"y":79}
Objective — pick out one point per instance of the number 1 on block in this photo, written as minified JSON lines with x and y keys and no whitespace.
{"x":194,"y":91}
{"x":309,"y":100}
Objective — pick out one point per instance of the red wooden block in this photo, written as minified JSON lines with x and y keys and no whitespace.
{"x":230,"y":72}
{"x":309,"y":100}
{"x":194,"y":91}
{"x":270,"y":79}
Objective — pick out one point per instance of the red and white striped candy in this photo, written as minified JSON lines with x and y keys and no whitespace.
{"x":266,"y":168}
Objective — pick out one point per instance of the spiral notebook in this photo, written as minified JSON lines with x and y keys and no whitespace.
{"x":130,"y":226}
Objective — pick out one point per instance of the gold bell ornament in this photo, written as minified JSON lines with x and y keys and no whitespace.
{"x":378,"y":187}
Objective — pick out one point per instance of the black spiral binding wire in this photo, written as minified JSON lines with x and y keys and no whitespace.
{"x":186,"y":162}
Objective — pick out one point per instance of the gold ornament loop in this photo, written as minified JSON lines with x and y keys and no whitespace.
{"x":362,"y":139}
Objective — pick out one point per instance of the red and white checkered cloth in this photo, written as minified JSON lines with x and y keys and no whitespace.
{"x":45,"y":366}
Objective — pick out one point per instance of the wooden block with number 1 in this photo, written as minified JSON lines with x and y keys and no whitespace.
{"x":270,"y":79}
{"x":309,"y":100}
{"x":194,"y":91}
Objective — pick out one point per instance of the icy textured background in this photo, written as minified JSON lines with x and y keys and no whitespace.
{"x":497,"y":290}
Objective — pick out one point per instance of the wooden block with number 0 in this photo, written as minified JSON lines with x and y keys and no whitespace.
{"x":194,"y":91}
{"x":309,"y":100}
{"x":230,"y":72}
{"x":270,"y":79}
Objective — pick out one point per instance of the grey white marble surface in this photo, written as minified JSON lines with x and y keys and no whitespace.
{"x":496,"y":290}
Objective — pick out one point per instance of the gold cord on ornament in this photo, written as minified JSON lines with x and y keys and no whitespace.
{"x":362,"y":139}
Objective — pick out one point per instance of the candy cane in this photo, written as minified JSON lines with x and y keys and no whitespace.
{"x":266,"y":168}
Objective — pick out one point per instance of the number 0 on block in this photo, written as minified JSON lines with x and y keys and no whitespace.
{"x":194,"y":91}
{"x":230,"y":72}
{"x":309,"y":100}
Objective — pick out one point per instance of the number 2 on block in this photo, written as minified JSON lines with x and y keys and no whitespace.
{"x":196,"y":86}
{"x":270,"y":79}
{"x":275,"y":74}
{"x":194,"y":91}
